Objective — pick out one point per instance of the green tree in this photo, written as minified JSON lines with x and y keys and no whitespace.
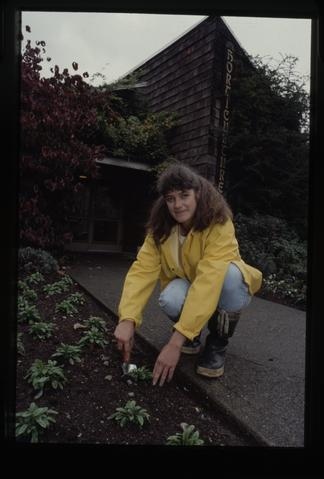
{"x":267,"y":170}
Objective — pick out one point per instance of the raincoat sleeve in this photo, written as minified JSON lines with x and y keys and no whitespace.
{"x":220,"y":249}
{"x":140,"y":282}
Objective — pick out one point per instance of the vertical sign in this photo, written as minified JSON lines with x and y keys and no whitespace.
{"x":229,"y":61}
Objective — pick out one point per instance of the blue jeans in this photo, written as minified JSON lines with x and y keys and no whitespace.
{"x":234,"y":295}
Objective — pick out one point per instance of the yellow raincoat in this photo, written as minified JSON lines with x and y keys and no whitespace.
{"x":205,"y":257}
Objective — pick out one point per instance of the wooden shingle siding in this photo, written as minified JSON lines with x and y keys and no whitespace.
{"x":189,"y":135}
{"x":201,"y":141}
{"x":191,"y":155}
{"x":179,"y":67}
{"x":188,"y":78}
{"x":193,"y":129}
{"x":187,"y":48}
{"x":198,"y":79}
{"x":183,"y":81}
{"x":197,"y":109}
{"x":177,"y":104}
{"x":190,"y":122}
{"x":193,"y":92}
{"x":180,"y":79}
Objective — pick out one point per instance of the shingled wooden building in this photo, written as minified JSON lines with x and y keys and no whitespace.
{"x":193,"y":78}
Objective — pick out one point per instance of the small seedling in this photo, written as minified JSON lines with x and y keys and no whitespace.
{"x":34,"y":278}
{"x":68,"y":352}
{"x":26,"y":292}
{"x":140,"y":374}
{"x":66,"y":307}
{"x":77,"y":298}
{"x":33,"y":421}
{"x":41,"y":330}
{"x":93,"y":336}
{"x":188,"y":437}
{"x":27,"y":312}
{"x":131,"y":412}
{"x":95,"y":321}
{"x":58,"y":287}
{"x":40,"y":374}
{"x":20,"y":344}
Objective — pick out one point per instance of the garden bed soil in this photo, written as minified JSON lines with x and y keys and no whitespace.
{"x":96,"y":387}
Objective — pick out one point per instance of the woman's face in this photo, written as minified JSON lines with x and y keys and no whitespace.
{"x":182,"y":206}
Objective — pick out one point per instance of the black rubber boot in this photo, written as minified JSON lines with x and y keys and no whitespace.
{"x":191,"y":347}
{"x":221,"y":327}
{"x":211,"y":362}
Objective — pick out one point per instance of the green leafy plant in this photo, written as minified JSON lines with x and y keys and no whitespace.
{"x":35,"y":278}
{"x":31,"y":260}
{"x":34,"y":421}
{"x":76,"y":298}
{"x":281,"y":255}
{"x":145,"y":138}
{"x":96,"y":322}
{"x":68,"y":352}
{"x":58,"y":287}
{"x":53,"y":288}
{"x":41,"y":330}
{"x":20,"y":344}
{"x":40,"y":374}
{"x":188,"y":437}
{"x":66,"y":307}
{"x":93,"y":336}
{"x":26,"y":292}
{"x":141,"y":374}
{"x":268,"y":142}
{"x":289,"y":287}
{"x":130,"y":413}
{"x":27,"y":312}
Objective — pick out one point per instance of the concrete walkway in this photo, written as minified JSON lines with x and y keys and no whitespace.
{"x":262,"y":389}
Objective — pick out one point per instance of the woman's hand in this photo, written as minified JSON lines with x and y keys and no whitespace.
{"x":168,"y":359}
{"x":124,"y":333}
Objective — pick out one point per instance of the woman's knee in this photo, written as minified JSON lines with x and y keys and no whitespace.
{"x":173,"y":296}
{"x":235,"y":292}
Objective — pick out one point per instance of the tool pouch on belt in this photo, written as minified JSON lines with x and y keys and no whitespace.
{"x":226,"y":323}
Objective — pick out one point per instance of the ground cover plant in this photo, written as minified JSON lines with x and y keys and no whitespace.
{"x":70,"y":384}
{"x":271,"y":245}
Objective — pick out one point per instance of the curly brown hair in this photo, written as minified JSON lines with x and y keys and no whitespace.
{"x":211,"y":205}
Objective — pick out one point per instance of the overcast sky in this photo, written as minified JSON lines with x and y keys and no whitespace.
{"x":114,"y":43}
